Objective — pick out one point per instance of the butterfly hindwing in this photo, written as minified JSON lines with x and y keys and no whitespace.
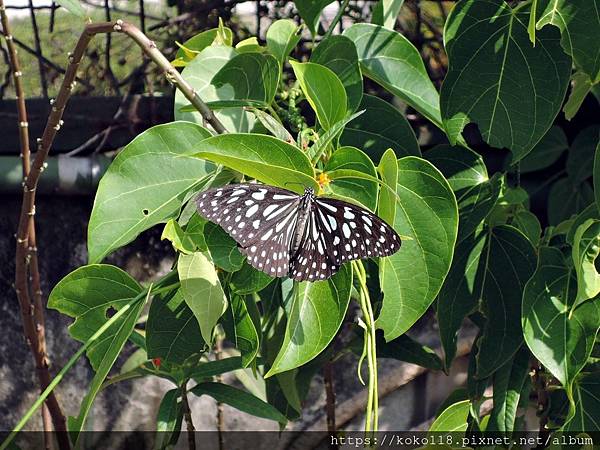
{"x":260,"y":218}
{"x":352,"y":232}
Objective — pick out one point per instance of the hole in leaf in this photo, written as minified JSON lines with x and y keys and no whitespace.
{"x":110,"y":312}
{"x":145,"y":212}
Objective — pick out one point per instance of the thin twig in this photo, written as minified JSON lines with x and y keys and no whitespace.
{"x":187,"y":414}
{"x":330,"y":401}
{"x":38,"y":49}
{"x":32,"y":311}
{"x":114,"y":83}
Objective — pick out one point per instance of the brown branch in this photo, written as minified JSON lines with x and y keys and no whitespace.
{"x":330,"y":401}
{"x":32,"y":312}
{"x":187,"y":414}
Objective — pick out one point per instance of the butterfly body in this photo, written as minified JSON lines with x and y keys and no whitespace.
{"x":304,"y":236}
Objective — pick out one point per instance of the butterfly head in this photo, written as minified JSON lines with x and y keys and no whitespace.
{"x":309,"y":192}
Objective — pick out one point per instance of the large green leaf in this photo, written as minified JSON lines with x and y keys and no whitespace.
{"x":426,"y":211}
{"x":316,"y":311}
{"x":265,"y":158}
{"x":202,"y":291}
{"x":567,"y":199}
{"x":489,"y":272}
{"x":475,"y":193}
{"x":363,"y":191}
{"x":282,"y":37}
{"x":310,"y":11}
{"x":497,"y":79}
{"x":391,"y":60}
{"x":380,"y":127}
{"x":586,"y":248}
{"x":248,"y":280}
{"x":248,"y":77}
{"x":453,"y":418}
{"x":199,"y":73}
{"x":586,"y":394}
{"x":509,"y":382}
{"x":168,"y":419}
{"x":546,"y":152}
{"x":145,"y":185}
{"x":172,"y":331}
{"x":88,"y":294}
{"x":243,"y":332}
{"x":239,"y":399}
{"x":323,"y":90}
{"x":580,"y":161}
{"x":223,"y":249}
{"x":386,"y":12}
{"x":560,"y":343}
{"x":579,"y":22}
{"x":338,"y":53}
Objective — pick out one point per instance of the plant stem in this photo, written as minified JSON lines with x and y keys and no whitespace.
{"x":336,"y":19}
{"x":187,"y":413}
{"x":372,"y":410}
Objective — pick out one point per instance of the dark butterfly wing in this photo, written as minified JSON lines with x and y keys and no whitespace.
{"x":260,"y":218}
{"x":352,"y":232}
{"x":313,"y":261}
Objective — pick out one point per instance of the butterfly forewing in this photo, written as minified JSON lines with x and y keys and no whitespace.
{"x":352,"y":232}
{"x":260,"y":218}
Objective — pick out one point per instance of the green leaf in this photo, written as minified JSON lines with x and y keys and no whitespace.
{"x":73,"y":6}
{"x":580,"y":161}
{"x":516,"y":98}
{"x":426,"y":211}
{"x":194,"y":231}
{"x":501,"y":253}
{"x":546,"y":152}
{"x":315,"y":314}
{"x":406,"y":349}
{"x":452,"y":419}
{"x":529,"y":225}
{"x":579,"y":23}
{"x":310,"y":11}
{"x":249,"y":45}
{"x":509,"y":382}
{"x":145,"y":185}
{"x":265,"y":158}
{"x":581,"y":86}
{"x":202,"y":291}
{"x":248,"y":280}
{"x":567,"y":199}
{"x":172,"y":331}
{"x":321,"y":146}
{"x":210,"y":369}
{"x":560,"y":343}
{"x":282,"y":37}
{"x":168,"y":420}
{"x":248,"y":77}
{"x":323,"y":90}
{"x":388,"y":170}
{"x":194,"y":45}
{"x":89,"y":294}
{"x":467,"y":175}
{"x":338,"y":53}
{"x":199,"y":74}
{"x":386,"y":12}
{"x":239,"y":399}
{"x":223,"y":248}
{"x":591,"y":212}
{"x":586,"y":394}
{"x":174,"y":233}
{"x":243,"y":333}
{"x":274,"y":126}
{"x":380,"y":127}
{"x":391,"y":60}
{"x":585,"y":252}
{"x":363,"y":191}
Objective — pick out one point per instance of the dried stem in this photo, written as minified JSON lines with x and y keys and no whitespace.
{"x":30,"y":296}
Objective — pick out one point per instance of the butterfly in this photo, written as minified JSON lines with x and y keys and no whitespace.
{"x":304,"y":237}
